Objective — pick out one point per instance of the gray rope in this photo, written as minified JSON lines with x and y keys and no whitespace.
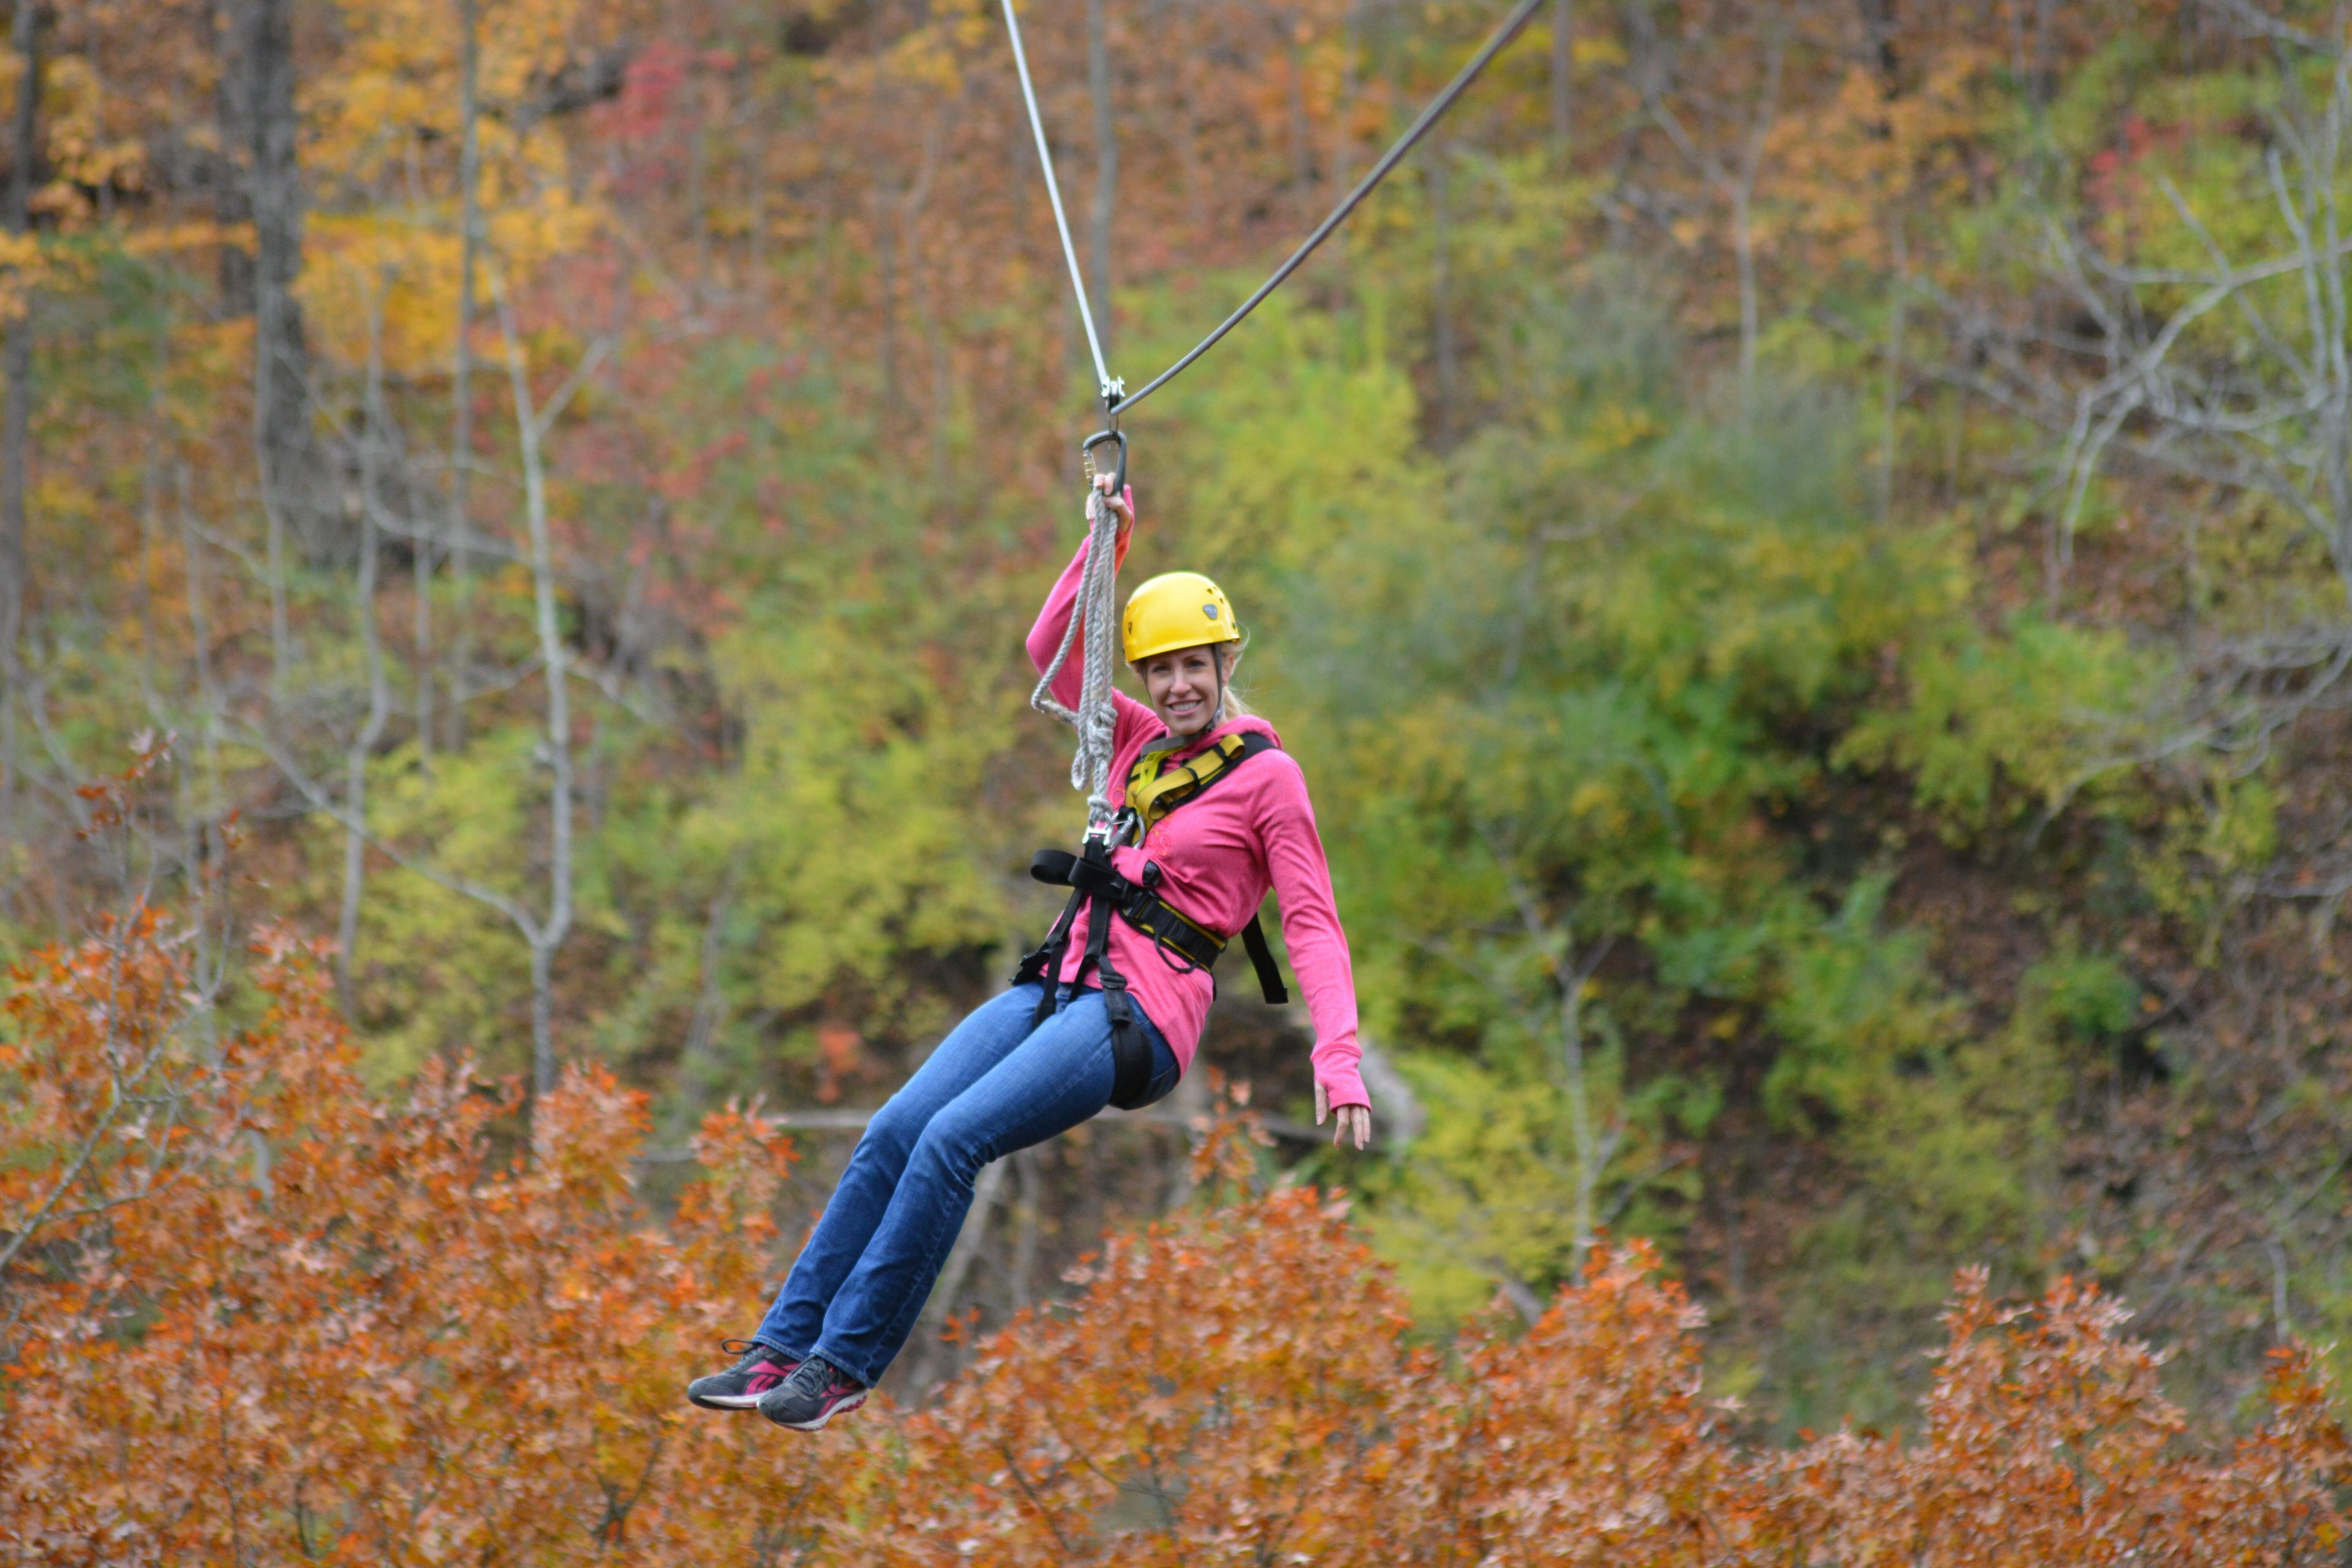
{"x":1096,"y":612}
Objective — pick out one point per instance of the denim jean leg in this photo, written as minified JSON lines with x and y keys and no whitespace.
{"x":1057,"y":1078}
{"x":863,"y":1195}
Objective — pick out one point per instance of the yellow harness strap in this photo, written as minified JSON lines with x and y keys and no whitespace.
{"x":1152,"y":794}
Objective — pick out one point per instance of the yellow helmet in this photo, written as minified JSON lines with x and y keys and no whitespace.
{"x":1173,"y":610}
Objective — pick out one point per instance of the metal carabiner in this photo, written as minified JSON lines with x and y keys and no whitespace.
{"x":1086,"y":452}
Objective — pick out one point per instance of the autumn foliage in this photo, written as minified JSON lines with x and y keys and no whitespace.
{"x":253,"y":1316}
{"x":256,"y":1318}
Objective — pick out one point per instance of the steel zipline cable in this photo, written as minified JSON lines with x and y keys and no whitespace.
{"x":1094,"y":622}
{"x":1113,"y":394}
{"x":1110,"y":389}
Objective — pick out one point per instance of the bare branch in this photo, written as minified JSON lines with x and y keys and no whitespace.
{"x":321,"y":802}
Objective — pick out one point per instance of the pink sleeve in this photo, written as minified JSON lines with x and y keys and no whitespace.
{"x":1047,"y":636}
{"x":1310,"y":930}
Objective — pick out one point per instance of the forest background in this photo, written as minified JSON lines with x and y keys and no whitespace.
{"x":1804,"y":546}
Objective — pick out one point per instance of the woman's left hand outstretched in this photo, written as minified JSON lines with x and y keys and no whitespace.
{"x":1349,"y":1119}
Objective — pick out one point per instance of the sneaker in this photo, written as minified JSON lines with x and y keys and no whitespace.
{"x":815,"y":1392}
{"x":760,"y":1369}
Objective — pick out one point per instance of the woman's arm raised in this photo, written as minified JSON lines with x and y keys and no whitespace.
{"x":1061,"y":604}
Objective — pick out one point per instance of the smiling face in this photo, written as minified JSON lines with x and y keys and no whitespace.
{"x":1182,"y":685}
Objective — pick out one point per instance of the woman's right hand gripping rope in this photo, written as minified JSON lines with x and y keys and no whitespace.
{"x":1121,"y":502}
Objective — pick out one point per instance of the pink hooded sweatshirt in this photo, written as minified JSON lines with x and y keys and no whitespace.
{"x":1217,"y":856}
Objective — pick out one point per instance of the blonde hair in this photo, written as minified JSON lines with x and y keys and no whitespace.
{"x":1233,"y":706}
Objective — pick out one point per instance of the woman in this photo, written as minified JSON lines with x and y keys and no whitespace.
{"x":1027,"y":1066}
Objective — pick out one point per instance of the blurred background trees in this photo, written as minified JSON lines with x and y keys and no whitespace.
{"x":1802,"y":545}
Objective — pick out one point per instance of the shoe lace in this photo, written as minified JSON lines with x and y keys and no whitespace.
{"x":745,"y":1351}
{"x":816,"y":1377}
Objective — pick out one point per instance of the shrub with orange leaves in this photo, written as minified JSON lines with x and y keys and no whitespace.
{"x":1237,"y":1385}
{"x":2047,"y":1441}
{"x":1584,"y":1440}
{"x":251,"y":1315}
{"x":1210,"y":1399}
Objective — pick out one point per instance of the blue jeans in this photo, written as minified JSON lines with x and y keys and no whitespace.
{"x":993,"y":1086}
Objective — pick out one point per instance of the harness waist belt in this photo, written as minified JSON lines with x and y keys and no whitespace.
{"x":1141,"y":908}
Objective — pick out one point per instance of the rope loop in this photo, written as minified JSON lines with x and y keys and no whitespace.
{"x":1094,"y":629}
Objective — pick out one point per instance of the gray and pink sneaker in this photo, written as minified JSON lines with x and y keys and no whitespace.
{"x":759,"y":1369}
{"x":815,"y":1392}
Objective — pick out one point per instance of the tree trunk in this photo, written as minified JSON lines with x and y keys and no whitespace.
{"x":1189,"y":1102}
{"x":232,"y":118}
{"x":1106,"y":198}
{"x":755,"y":236}
{"x":212,"y":847}
{"x":1441,"y":290}
{"x":277,"y":251}
{"x":287,"y":455}
{"x":1188,"y":151}
{"x":555,"y":669}
{"x":151,"y":526}
{"x":1563,"y":73}
{"x":1743,"y":231}
{"x":379,"y":714}
{"x":461,"y":370}
{"x":927,"y":318}
{"x":1351,"y":45}
{"x":1021,"y":1281}
{"x":1878,"y":25}
{"x":948,"y":1287}
{"x":1302,"y":139}
{"x":2043,"y":81}
{"x":886,"y":248}
{"x":698,"y":202}
{"x":696,"y":1070}
{"x":15,"y":423}
{"x":542,"y":1019}
{"x":1589,"y":1160}
{"x":935,"y":336}
{"x":1890,"y":405}
{"x":1743,"y":252}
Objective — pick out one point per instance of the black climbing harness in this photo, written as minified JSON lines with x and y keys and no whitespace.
{"x":1100,"y":889}
{"x":1116,"y":398}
